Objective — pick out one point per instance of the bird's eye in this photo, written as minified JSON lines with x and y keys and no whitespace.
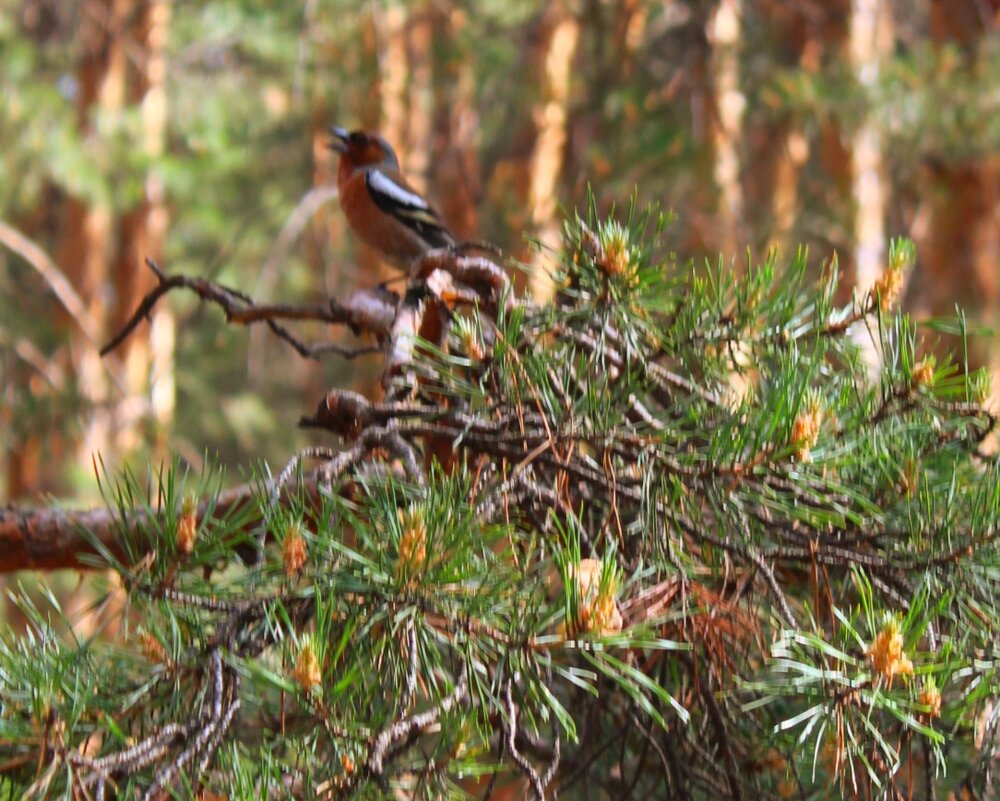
{"x":358,"y":138}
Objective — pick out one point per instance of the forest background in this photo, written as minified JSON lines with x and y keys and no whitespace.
{"x":195,"y":134}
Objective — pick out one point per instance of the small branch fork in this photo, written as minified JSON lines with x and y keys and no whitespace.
{"x":240,"y":309}
{"x":199,"y":738}
{"x":452,"y":277}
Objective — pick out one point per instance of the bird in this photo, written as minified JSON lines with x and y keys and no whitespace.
{"x":381,"y":208}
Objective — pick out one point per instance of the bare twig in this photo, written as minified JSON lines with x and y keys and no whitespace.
{"x":406,"y":727}
{"x":238,"y":307}
{"x":526,"y":767}
{"x":413,"y":670}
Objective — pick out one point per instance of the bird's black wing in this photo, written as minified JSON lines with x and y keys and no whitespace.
{"x":408,"y":207}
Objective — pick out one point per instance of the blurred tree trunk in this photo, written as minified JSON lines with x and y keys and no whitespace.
{"x":553,"y":59}
{"x":802,"y":36}
{"x":404,"y":116}
{"x":456,"y":122}
{"x":871,"y":43}
{"x":390,"y":115}
{"x":102,"y":249}
{"x":957,"y":226}
{"x":703,"y":204}
{"x":85,"y":249}
{"x":148,"y":354}
{"x":723,"y":33}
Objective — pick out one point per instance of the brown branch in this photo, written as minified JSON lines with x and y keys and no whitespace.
{"x":53,"y":539}
{"x":240,"y":308}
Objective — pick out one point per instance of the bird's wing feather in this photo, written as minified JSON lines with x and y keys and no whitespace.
{"x":391,"y":191}
{"x":408,"y":207}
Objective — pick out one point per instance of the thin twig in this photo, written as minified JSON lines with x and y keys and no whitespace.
{"x":238,"y":307}
{"x":405,"y":727}
{"x":522,"y":762}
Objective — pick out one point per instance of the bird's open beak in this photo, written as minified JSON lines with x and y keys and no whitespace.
{"x":340,"y":137}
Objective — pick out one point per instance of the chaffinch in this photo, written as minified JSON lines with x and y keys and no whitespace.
{"x":383,"y":210}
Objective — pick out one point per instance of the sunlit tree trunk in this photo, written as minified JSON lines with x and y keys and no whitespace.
{"x":871,"y":42}
{"x":420,"y":95}
{"x":392,"y":25}
{"x":148,"y":374}
{"x":723,"y":33}
{"x":122,"y":61}
{"x":792,"y":153}
{"x":559,"y":40}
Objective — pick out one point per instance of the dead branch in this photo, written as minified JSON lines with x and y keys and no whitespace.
{"x":239,"y":308}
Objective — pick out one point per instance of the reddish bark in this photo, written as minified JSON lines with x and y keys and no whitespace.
{"x":54,"y":539}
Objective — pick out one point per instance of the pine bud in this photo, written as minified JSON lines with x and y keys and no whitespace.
{"x":910,"y":477}
{"x":616,"y":259}
{"x":923,"y":372}
{"x":596,"y":610}
{"x":412,"y":545}
{"x":886,"y":653}
{"x":470,"y":344}
{"x":805,"y":430}
{"x":307,"y":671}
{"x":294,"y":550}
{"x":187,"y":526}
{"x":931,"y":697}
{"x":889,"y":286}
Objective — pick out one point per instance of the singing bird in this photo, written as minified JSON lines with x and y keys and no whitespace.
{"x":383,"y":210}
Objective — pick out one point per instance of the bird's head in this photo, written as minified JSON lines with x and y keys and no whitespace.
{"x":359,"y":149}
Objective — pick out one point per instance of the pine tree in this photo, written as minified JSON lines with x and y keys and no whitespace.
{"x":665,"y":536}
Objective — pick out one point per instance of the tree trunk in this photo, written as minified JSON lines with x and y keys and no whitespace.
{"x":122,"y":61}
{"x":148,"y":353}
{"x":88,"y":230}
{"x":871,"y":42}
{"x":560,"y":37}
{"x":724,"y":35}
{"x":957,"y":226}
{"x":456,"y":122}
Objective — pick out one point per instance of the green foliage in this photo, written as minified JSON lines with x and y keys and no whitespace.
{"x":686,"y":507}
